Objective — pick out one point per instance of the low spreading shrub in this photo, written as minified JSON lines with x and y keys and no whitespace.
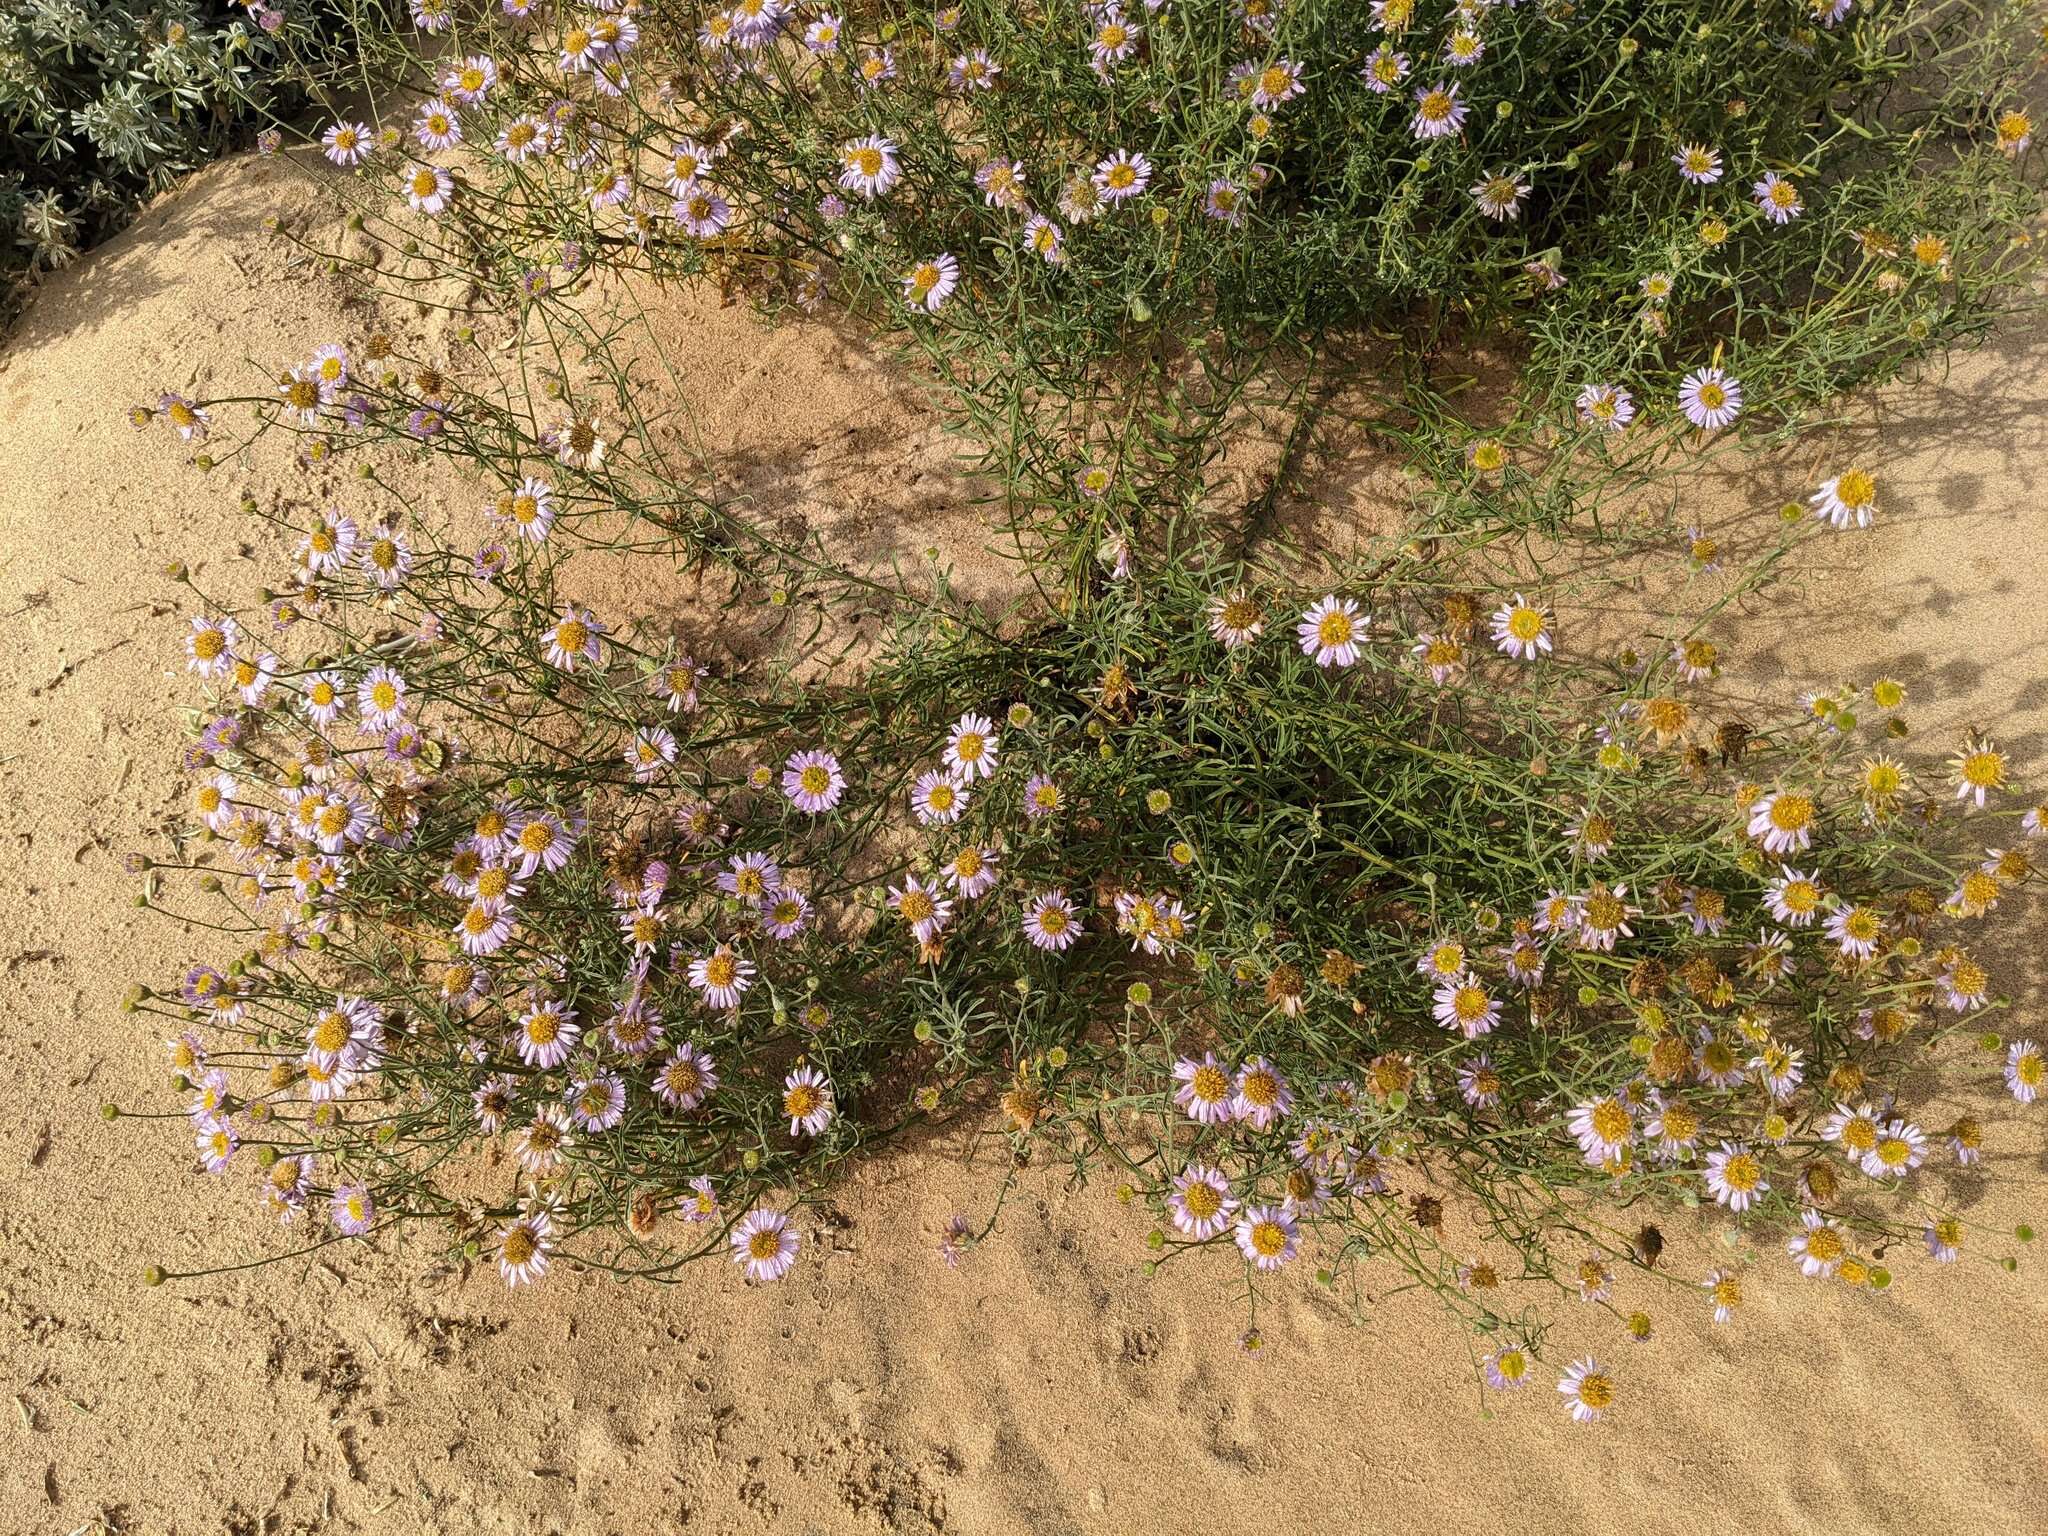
{"x":1372,"y":908}
{"x":104,"y":103}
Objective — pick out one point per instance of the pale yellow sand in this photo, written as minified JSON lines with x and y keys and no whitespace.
{"x":1046,"y":1386}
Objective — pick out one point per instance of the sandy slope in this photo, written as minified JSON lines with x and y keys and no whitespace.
{"x":1044,"y":1387}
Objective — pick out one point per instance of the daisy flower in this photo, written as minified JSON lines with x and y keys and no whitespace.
{"x":931,"y":282}
{"x":869,"y":165}
{"x":522,"y":139}
{"x":921,"y":907}
{"x":1699,"y":164}
{"x":1206,"y":1092}
{"x":1042,"y":797}
{"x":1783,"y":820}
{"x":1200,"y":1205}
{"x":807,"y":1100}
{"x":1277,"y":82}
{"x":1045,"y":239}
{"x":1900,"y":1148}
{"x":701,"y":1203}
{"x":652,"y":749}
{"x":1603,"y":1129}
{"x":543,"y":841}
{"x":1001,"y":182}
{"x":1778,"y":197}
{"x":1507,"y":1368}
{"x":1263,"y":1097}
{"x":812,"y":781}
{"x":722,"y":977}
{"x":1588,"y":1389}
{"x":1224,"y":202}
{"x":470,"y":81}
{"x":547,"y":1033}
{"x":1115,"y":39}
{"x":1049,"y":921}
{"x":876,"y":65}
{"x":1977,"y":769}
{"x":938,"y":797}
{"x":971,"y":747}
{"x":1819,"y":1248}
{"x":1122,"y":175}
{"x":188,"y":418}
{"x":380,"y":699}
{"x":1480,"y":1082}
{"x":822,"y":36}
{"x":347,"y":144}
{"x":524,"y":1246}
{"x":210,"y":646}
{"x":1522,"y":629}
{"x":751,"y":877}
{"x":973,"y":71}
{"x":1267,"y":1236}
{"x":437,"y":126}
{"x":1500,"y":195}
{"x":597,"y":1102}
{"x":686,"y":1079}
{"x":429,"y":189}
{"x":2015,"y":132}
{"x":1607,"y":407}
{"x":972,"y":871}
{"x":1735,"y":1178}
{"x":763,"y":1245}
{"x":701,"y":213}
{"x":2024,"y":1072}
{"x":1856,"y":931}
{"x":1235,"y":620}
{"x":352,"y":1209}
{"x":1463,"y":1004}
{"x":1331,"y":630}
{"x":785,"y":914}
{"x":1847,"y":501}
{"x":1710,"y":398}
{"x":1794,"y":897}
{"x":1384,"y":69}
{"x":1438,"y":112}
{"x":576,"y":636}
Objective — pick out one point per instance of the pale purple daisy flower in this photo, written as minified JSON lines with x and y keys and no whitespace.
{"x":1331,"y":631}
{"x":939,"y":796}
{"x":347,"y":144}
{"x":1268,"y":1236}
{"x":722,"y":977}
{"x":785,"y":914}
{"x":1200,"y":1205}
{"x":931,"y":282}
{"x":1206,"y":1090}
{"x":1263,"y":1097}
{"x":687,"y":1078}
{"x":1608,"y":407}
{"x":1122,"y":175}
{"x":1049,"y":921}
{"x":764,"y":1245}
{"x":524,"y":1246}
{"x":807,"y":1100}
{"x":597,"y":1102}
{"x":547,"y":1033}
{"x":1438,"y":112}
{"x":1778,"y":197}
{"x":1710,"y":398}
{"x":352,"y":1209}
{"x":751,"y":877}
{"x":1384,"y":69}
{"x":812,"y":781}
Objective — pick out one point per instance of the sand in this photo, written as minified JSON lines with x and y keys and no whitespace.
{"x":1046,"y":1386}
